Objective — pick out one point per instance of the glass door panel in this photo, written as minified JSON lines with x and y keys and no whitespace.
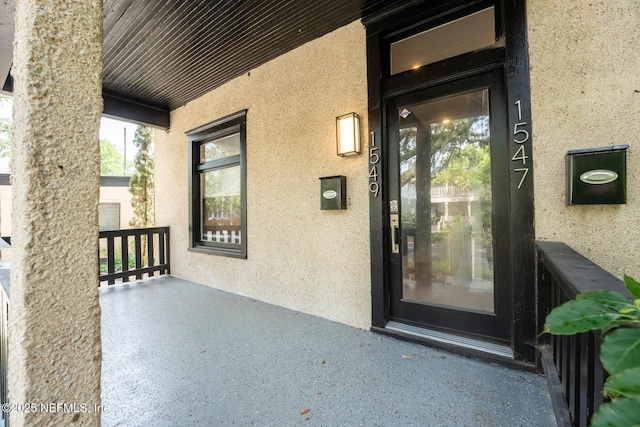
{"x":445,"y":188}
{"x":448,"y":163}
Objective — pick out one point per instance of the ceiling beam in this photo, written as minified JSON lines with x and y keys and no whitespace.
{"x":134,"y":112}
{"x":121,"y":109}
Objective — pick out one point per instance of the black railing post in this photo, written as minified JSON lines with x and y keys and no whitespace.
{"x":161,"y":250}
{"x":167,"y":253}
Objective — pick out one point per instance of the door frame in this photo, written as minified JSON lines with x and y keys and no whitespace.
{"x":512,"y":55}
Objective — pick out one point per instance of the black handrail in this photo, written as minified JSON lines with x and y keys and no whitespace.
{"x":575,"y":375}
{"x":147,"y":260}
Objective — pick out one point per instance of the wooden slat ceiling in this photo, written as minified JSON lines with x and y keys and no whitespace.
{"x":165,"y":53}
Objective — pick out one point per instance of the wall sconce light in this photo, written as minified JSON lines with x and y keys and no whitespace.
{"x":348,"y":134}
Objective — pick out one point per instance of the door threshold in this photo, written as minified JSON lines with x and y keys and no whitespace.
{"x":454,"y":343}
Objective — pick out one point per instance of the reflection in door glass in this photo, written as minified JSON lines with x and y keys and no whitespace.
{"x":445,"y":186}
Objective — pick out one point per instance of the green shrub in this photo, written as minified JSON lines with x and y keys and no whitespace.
{"x":118,"y":263}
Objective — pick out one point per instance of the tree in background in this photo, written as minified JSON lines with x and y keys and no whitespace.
{"x":111,"y":161}
{"x":141,"y":185}
{"x":5,"y":137}
{"x":5,"y":130}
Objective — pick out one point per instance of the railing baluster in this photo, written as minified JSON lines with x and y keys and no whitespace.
{"x":111,"y":258}
{"x":125,"y":256}
{"x":150,"y":261}
{"x":564,"y":372}
{"x":574,"y":377}
{"x":584,"y":354}
{"x":599,"y":375}
{"x":138,"y":252}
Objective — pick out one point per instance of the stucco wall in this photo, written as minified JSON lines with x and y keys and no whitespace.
{"x":585,"y":90}
{"x":298,"y":256}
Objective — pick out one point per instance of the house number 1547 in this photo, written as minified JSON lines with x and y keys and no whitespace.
{"x":520,"y":137}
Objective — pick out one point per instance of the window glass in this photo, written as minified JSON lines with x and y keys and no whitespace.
{"x":473,"y":32}
{"x":220,"y":148}
{"x":221,"y":205}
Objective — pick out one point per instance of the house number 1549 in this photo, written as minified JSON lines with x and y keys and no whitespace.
{"x":374,"y":159}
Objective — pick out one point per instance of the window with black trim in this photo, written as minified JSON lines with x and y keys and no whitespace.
{"x":217,"y":164}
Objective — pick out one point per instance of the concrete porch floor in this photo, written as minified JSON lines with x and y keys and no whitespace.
{"x":176,"y":353}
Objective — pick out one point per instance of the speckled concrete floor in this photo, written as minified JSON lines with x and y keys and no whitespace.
{"x":176,"y":353}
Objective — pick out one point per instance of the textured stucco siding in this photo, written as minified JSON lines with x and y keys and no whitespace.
{"x":585,"y":91}
{"x":54,"y":326}
{"x":298,"y":256}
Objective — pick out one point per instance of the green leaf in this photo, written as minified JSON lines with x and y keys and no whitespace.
{"x":610,"y":299}
{"x":626,"y":383}
{"x":620,"y":350}
{"x":632,"y":285}
{"x":619,"y":413}
{"x":578,"y":316}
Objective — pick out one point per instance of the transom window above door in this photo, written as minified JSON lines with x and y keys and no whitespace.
{"x":472,"y":32}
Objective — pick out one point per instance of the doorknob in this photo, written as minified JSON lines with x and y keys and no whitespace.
{"x":394,"y":223}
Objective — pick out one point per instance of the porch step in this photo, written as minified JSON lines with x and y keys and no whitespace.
{"x":501,"y":351}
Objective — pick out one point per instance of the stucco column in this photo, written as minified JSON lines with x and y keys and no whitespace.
{"x":54,"y":320}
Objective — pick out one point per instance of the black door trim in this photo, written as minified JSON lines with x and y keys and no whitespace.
{"x":513,"y":29}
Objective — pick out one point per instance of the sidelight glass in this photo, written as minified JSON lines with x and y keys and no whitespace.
{"x":446,"y":207}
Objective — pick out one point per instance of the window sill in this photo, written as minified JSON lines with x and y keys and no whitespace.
{"x":217,"y":251}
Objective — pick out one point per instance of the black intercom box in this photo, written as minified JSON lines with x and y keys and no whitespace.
{"x":333,"y":192}
{"x":597,"y":176}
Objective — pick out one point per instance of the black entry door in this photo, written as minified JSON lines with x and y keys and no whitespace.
{"x":448,"y":205}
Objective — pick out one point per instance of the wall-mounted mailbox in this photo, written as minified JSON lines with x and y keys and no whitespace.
{"x":597,"y":176}
{"x":333,"y":192}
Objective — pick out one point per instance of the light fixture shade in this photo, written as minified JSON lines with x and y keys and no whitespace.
{"x":348,"y":134}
